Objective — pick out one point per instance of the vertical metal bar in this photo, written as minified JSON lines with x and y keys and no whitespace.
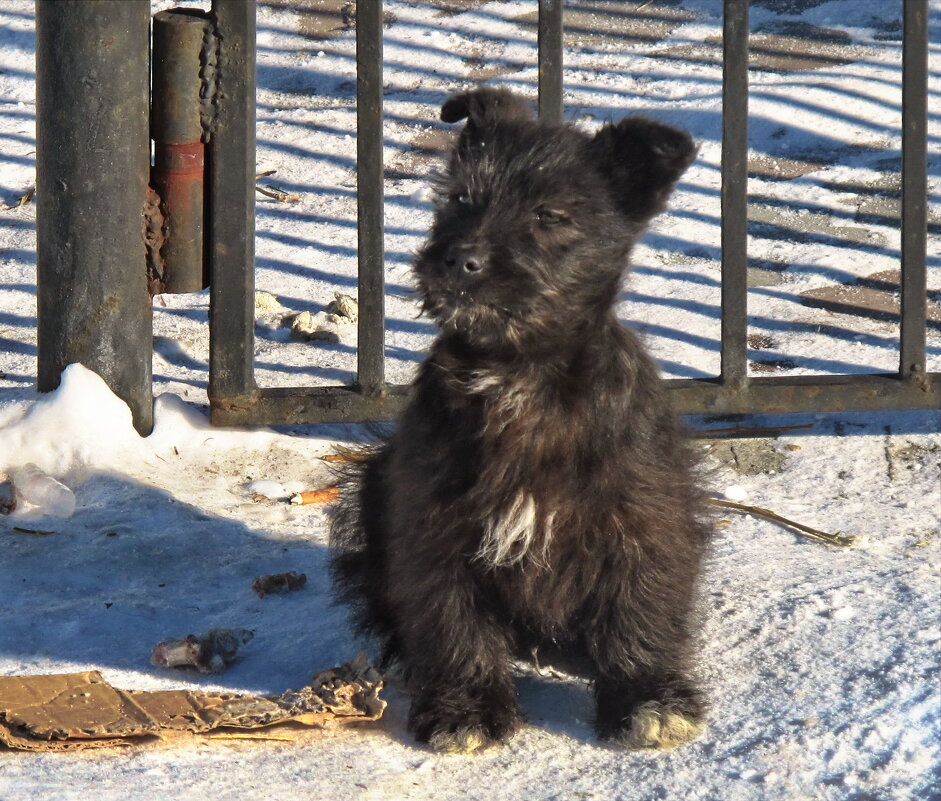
{"x":231,"y":204}
{"x":914,"y":187}
{"x":550,"y":61}
{"x":370,"y":365}
{"x":734,"y":192}
{"x":92,"y":77}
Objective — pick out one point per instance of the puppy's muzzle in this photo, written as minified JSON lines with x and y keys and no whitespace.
{"x":465,"y":261}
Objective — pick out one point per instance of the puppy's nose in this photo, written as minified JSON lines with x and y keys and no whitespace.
{"x":465,"y":261}
{"x":472,"y":265}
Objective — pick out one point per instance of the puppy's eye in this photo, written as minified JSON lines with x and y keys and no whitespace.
{"x":550,"y":218}
{"x":461,"y":197}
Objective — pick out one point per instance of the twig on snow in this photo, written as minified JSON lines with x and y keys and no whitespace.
{"x":277,"y":194}
{"x":843,"y":541}
{"x":25,"y":198}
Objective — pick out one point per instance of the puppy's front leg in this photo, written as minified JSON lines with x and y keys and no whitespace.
{"x":644,"y":696}
{"x":458,"y":664}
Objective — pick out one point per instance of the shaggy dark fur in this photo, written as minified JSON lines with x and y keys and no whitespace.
{"x":537,"y":489}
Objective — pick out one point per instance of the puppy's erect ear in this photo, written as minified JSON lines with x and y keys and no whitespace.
{"x":485,"y":107}
{"x":642,"y":160}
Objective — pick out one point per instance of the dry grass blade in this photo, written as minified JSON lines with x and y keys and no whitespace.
{"x":813,"y":533}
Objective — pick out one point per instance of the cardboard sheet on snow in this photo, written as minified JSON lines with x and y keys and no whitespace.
{"x":81,"y":710}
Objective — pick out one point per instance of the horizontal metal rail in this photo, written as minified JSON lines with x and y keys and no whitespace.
{"x":838,"y":393}
{"x":236,"y":400}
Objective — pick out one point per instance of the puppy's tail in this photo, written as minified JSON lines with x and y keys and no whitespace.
{"x":358,"y":543}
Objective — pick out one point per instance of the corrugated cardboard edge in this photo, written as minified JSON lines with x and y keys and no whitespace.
{"x":74,"y":711}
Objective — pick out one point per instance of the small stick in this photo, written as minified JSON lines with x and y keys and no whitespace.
{"x":814,"y":533}
{"x":36,"y":532}
{"x":755,"y":431}
{"x":277,"y":194}
{"x":265,"y":174}
{"x":325,"y":495}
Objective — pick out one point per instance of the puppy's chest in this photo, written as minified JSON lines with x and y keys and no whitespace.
{"x":526,"y":473}
{"x":526,"y":438}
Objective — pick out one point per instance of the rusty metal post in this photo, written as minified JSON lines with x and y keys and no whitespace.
{"x":92,"y":165}
{"x":177,"y":130}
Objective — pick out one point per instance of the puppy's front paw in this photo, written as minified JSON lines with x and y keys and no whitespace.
{"x":451,"y":729}
{"x":462,"y":740}
{"x":658,"y":725}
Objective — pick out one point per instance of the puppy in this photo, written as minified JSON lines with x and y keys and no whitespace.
{"x":537,"y":489}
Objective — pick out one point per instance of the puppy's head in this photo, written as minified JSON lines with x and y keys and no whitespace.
{"x":533,"y":222}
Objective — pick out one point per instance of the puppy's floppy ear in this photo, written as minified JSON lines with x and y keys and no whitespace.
{"x":485,"y":107}
{"x":642,"y":160}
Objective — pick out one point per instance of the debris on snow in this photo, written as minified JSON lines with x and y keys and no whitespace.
{"x":7,"y":495}
{"x":324,"y":495}
{"x":344,"y":308}
{"x":210,"y":653}
{"x":279,"y":583}
{"x":40,"y":490}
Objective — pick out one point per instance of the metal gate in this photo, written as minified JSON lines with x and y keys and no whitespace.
{"x":236,"y":399}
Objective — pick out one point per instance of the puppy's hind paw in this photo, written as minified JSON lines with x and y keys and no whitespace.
{"x":657,"y":725}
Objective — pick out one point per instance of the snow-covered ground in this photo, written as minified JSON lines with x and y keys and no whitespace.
{"x":823,"y":665}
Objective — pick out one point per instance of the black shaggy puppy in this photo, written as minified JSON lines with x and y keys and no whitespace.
{"x":537,"y":489}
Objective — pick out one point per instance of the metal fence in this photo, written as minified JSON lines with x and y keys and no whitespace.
{"x":236,"y":399}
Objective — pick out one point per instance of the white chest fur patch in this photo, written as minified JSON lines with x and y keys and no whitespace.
{"x":511,"y":535}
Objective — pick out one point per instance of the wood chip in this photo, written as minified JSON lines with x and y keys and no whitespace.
{"x":325,"y":495}
{"x":346,"y":457}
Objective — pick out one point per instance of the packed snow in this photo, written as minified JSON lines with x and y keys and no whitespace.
{"x":822,"y":664}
